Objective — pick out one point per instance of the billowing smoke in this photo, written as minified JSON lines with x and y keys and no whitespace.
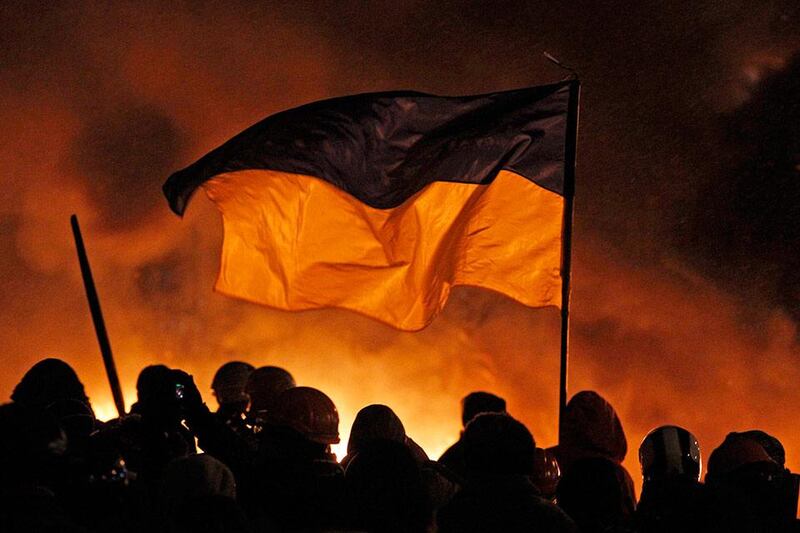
{"x":749,"y":229}
{"x":686,"y":274}
{"x":121,"y":155}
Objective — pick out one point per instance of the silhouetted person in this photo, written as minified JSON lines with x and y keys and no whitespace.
{"x":745,"y":480}
{"x":498,"y":495}
{"x":32,"y":446}
{"x":235,"y":444}
{"x":155,"y":434}
{"x":379,"y":423}
{"x":472,"y":405}
{"x":386,"y":489}
{"x":78,"y":422}
{"x":199,"y":495}
{"x":264,"y":386}
{"x":107,"y":498}
{"x":197,"y":475}
{"x":590,"y":428}
{"x":593,"y":494}
{"x":296,"y":483}
{"x":49,"y":381}
{"x":229,"y":388}
{"x":771,"y":444}
{"x":786,"y":497}
{"x":672,"y":496}
{"x":147,"y":384}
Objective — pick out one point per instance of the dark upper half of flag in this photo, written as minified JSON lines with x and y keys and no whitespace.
{"x":382,"y":148}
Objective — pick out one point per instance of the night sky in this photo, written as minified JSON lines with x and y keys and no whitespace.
{"x":687,"y":209}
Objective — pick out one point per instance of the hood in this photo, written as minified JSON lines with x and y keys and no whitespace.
{"x":375,"y":422}
{"x":591,"y":428}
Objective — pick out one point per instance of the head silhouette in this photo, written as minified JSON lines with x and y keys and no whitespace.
{"x":476,"y":403}
{"x":497,"y":444}
{"x":47,"y":382}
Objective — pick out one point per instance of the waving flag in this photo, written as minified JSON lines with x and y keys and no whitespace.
{"x":381,"y":203}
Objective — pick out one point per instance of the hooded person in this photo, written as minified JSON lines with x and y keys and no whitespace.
{"x":378,"y":423}
{"x":472,"y":405}
{"x":498,"y":494}
{"x":592,"y":493}
{"x":49,"y":381}
{"x":590,"y":428}
{"x":386,"y":489}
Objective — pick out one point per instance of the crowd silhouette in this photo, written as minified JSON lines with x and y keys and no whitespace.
{"x":262,"y":462}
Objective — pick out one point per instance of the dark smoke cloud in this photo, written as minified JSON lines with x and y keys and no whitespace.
{"x":123,"y":155}
{"x":749,"y":228}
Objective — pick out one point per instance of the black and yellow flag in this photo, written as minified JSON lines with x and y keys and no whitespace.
{"x":380,"y":203}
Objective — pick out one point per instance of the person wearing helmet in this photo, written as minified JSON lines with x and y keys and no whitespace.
{"x":154,"y":435}
{"x":472,"y":405}
{"x":307,"y":413}
{"x":670,"y":452}
{"x":263,"y":387}
{"x":235,"y":445}
{"x":672,"y":496}
{"x":296,"y":483}
{"x":771,"y":444}
{"x":743,"y":476}
{"x":229,"y":388}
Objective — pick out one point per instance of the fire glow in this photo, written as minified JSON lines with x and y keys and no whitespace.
{"x":662,"y":346}
{"x":89,"y":93}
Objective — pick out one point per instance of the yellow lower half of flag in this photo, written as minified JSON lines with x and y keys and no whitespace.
{"x":297,"y":242}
